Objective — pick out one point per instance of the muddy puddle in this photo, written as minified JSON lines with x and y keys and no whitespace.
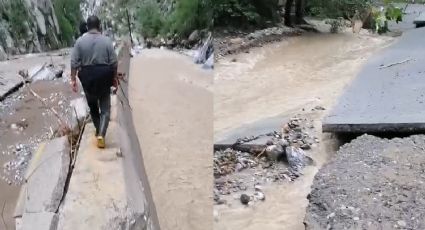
{"x":285,"y":79}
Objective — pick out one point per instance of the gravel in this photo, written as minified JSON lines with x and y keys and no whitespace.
{"x":372,"y":183}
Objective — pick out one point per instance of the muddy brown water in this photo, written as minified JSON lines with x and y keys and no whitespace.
{"x":282,"y":79}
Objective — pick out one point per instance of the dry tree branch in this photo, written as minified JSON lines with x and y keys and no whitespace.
{"x":53,"y":110}
{"x":2,"y":216}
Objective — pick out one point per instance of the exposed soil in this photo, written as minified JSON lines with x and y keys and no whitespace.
{"x":372,"y":183}
{"x":25,"y":122}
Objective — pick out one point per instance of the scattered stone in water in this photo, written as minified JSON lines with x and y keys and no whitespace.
{"x":259,"y":196}
{"x":401,"y":223}
{"x":319,"y":108}
{"x":245,"y":199}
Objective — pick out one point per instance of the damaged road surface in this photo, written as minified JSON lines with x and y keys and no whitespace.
{"x":388,"y":94}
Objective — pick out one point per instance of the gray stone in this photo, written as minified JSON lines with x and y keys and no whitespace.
{"x":41,"y":73}
{"x":274,"y":152}
{"x":194,"y":36}
{"x":39,"y":221}
{"x":3,"y":55}
{"x":47,"y":181}
{"x":41,"y":23}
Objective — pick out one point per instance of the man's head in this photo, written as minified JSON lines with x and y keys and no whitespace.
{"x":93,"y":23}
{"x":83,"y":28}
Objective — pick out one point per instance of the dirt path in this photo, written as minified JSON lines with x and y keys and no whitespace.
{"x":283,"y":79}
{"x":172,"y":112}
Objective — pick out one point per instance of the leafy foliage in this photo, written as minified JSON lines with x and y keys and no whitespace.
{"x":384,"y":14}
{"x":337,"y":8}
{"x":17,"y":16}
{"x":188,"y":15}
{"x":150,"y":19}
{"x":69,"y":16}
{"x":242,"y":12}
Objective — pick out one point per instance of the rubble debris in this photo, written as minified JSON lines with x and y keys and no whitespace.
{"x":244,"y":166}
{"x":14,"y":170}
{"x":205,"y":51}
{"x":372,"y":183}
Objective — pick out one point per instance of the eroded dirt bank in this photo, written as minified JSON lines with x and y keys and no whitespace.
{"x":284,"y":79}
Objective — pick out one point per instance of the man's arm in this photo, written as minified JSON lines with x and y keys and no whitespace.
{"x":113,"y":59}
{"x":75,"y":65}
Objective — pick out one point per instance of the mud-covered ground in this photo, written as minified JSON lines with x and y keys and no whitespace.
{"x":372,"y":183}
{"x":25,"y":122}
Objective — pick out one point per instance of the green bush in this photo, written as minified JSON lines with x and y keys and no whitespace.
{"x":17,"y":18}
{"x":244,"y":12}
{"x":69,"y":17}
{"x":150,"y":19}
{"x":188,"y":16}
{"x":337,"y":8}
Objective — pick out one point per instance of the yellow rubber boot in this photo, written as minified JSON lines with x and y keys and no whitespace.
{"x":100,"y":142}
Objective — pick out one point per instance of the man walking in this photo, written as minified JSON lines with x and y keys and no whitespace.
{"x":94,"y":58}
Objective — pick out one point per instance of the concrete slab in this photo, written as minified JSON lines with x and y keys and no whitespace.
{"x":96,"y":196}
{"x":46,"y":181}
{"x":35,"y":161}
{"x":39,"y":221}
{"x":388,"y":94}
{"x":261,"y":127}
{"x":420,"y":20}
{"x":9,"y":84}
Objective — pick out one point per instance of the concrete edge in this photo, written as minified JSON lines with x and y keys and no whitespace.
{"x":374,"y":128}
{"x":20,"y":204}
{"x":133,"y":159}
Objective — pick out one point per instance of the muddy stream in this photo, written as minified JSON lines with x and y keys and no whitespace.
{"x":285,"y":79}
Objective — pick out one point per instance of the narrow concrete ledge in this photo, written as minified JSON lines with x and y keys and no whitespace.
{"x":47,"y":182}
{"x":39,"y":221}
{"x":97,"y":196}
{"x":46,"y":176}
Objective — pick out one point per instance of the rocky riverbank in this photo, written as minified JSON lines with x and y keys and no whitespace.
{"x":252,"y":162}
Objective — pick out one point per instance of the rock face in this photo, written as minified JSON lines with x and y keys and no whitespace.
{"x":28,"y":26}
{"x":372,"y":183}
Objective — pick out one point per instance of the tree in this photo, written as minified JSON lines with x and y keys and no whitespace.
{"x":299,"y":12}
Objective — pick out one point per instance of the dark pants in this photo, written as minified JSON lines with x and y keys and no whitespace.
{"x":97,"y":82}
{"x":100,"y":111}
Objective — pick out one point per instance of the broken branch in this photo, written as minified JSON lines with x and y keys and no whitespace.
{"x":393,"y":64}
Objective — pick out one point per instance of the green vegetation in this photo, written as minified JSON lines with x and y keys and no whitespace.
{"x":69,"y":17}
{"x":16,"y":15}
{"x":245,"y":12}
{"x":150,"y":19}
{"x":187,"y":16}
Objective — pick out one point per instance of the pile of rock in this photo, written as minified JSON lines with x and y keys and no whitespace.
{"x":246,"y":164}
{"x":13,"y":171}
{"x":236,"y":42}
